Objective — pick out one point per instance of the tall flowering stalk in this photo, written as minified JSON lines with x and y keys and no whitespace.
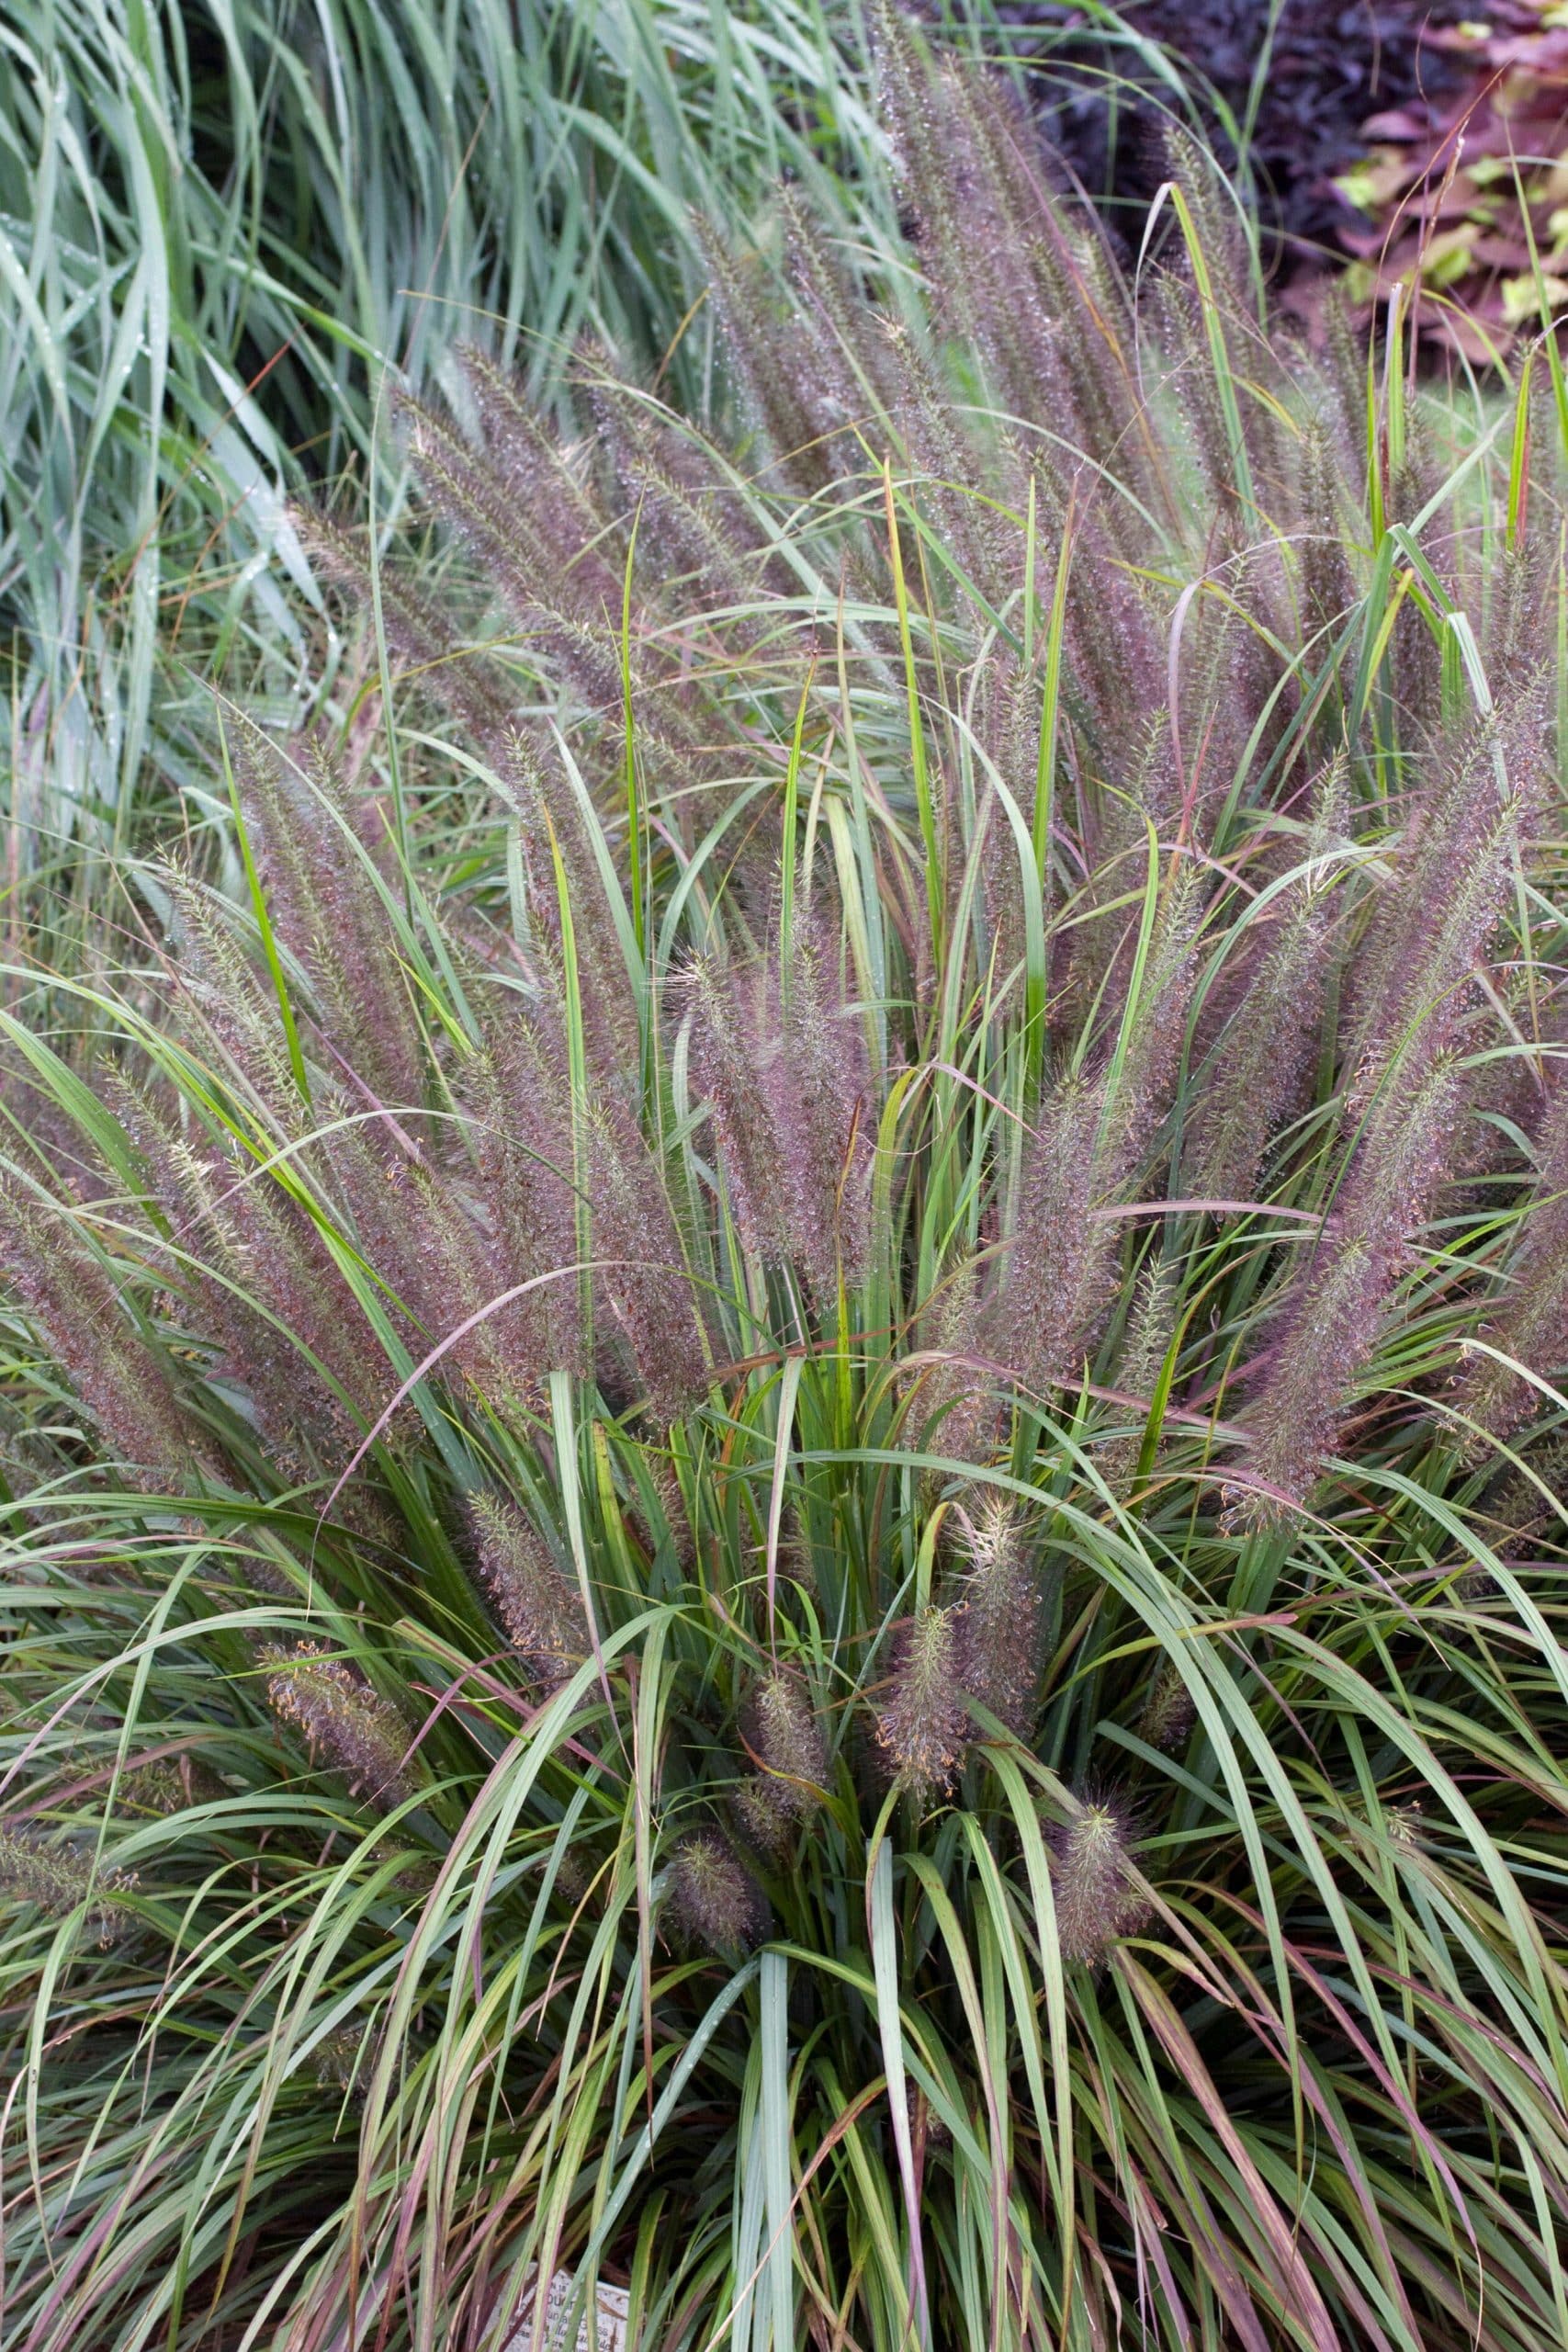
{"x":1335,"y":1312}
{"x":80,"y":1310}
{"x":1527,"y":1332}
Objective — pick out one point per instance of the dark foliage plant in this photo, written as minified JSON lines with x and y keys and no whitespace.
{"x":1464,"y":182}
{"x":1285,"y":85}
{"x":782,"y":1440}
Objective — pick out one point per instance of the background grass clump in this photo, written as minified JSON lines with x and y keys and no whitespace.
{"x":783,"y":1458}
{"x":219,"y":225}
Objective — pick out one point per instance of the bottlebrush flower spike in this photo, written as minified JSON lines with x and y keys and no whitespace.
{"x":1168,"y":1712}
{"x":1097,"y":1903}
{"x":546,"y":491}
{"x":639,"y":1263}
{"x":1451,"y":880}
{"x":57,"y":1880}
{"x":520,"y":1090}
{"x":1262,"y":1062}
{"x":1039,"y":302}
{"x":1152,"y":1046}
{"x":321,"y":881}
{"x":438,"y":1260}
{"x":984,"y":551}
{"x":955,"y":1411}
{"x":1327,"y":591}
{"x":999,"y":1629}
{"x":711,"y":1898}
{"x":685,"y":500}
{"x":219,"y":986}
{"x":263,"y":1283}
{"x":1059,"y":1269}
{"x":773,"y":367}
{"x":478,"y":502}
{"x":924,"y":1727}
{"x":76,"y":1303}
{"x":845,"y":373}
{"x":539,"y":1605}
{"x":780,"y":1727}
{"x":537,"y":584}
{"x":1138,"y":1369}
{"x":356,"y":1731}
{"x":1010,"y":724}
{"x":1331,"y":1318}
{"x":726,"y":1063}
{"x":817,"y":1083}
{"x":454,"y":1277}
{"x":1530,"y":1322}
{"x":418,"y":633}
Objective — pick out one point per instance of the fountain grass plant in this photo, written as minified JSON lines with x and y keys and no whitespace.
{"x":784,"y":1469}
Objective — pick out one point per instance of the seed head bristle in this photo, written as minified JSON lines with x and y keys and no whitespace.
{"x":818,"y":1088}
{"x":1263,"y":1061}
{"x":642,"y":1271}
{"x":1530,"y":1324}
{"x":1334,"y":1313}
{"x":955,"y":1412}
{"x":1058,"y":1272}
{"x":726,"y":1061}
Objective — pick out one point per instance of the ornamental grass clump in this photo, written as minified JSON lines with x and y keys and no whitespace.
{"x":809,"y":1348}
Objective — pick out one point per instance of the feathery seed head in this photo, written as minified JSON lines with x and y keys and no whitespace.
{"x":540,"y":1609}
{"x":1168,"y":1712}
{"x":58,"y":1881}
{"x":999,"y":1628}
{"x":1262,"y":1065}
{"x":521,"y":1092}
{"x":636,"y":1244}
{"x":727,"y":1062}
{"x":1143,"y":1355}
{"x":418,"y":633}
{"x":765,"y":1821}
{"x":955,"y":1412}
{"x":923,"y":1727}
{"x":1518,"y":1517}
{"x":818,"y":1088}
{"x":356,"y":1731}
{"x":1097,"y":1903}
{"x":1530,"y":1324}
{"x":166,"y":1785}
{"x":320,"y":874}
{"x":73,"y":1297}
{"x":1059,"y":1273}
{"x":1334,"y":1311}
{"x":780,"y":1728}
{"x":712,"y":1899}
